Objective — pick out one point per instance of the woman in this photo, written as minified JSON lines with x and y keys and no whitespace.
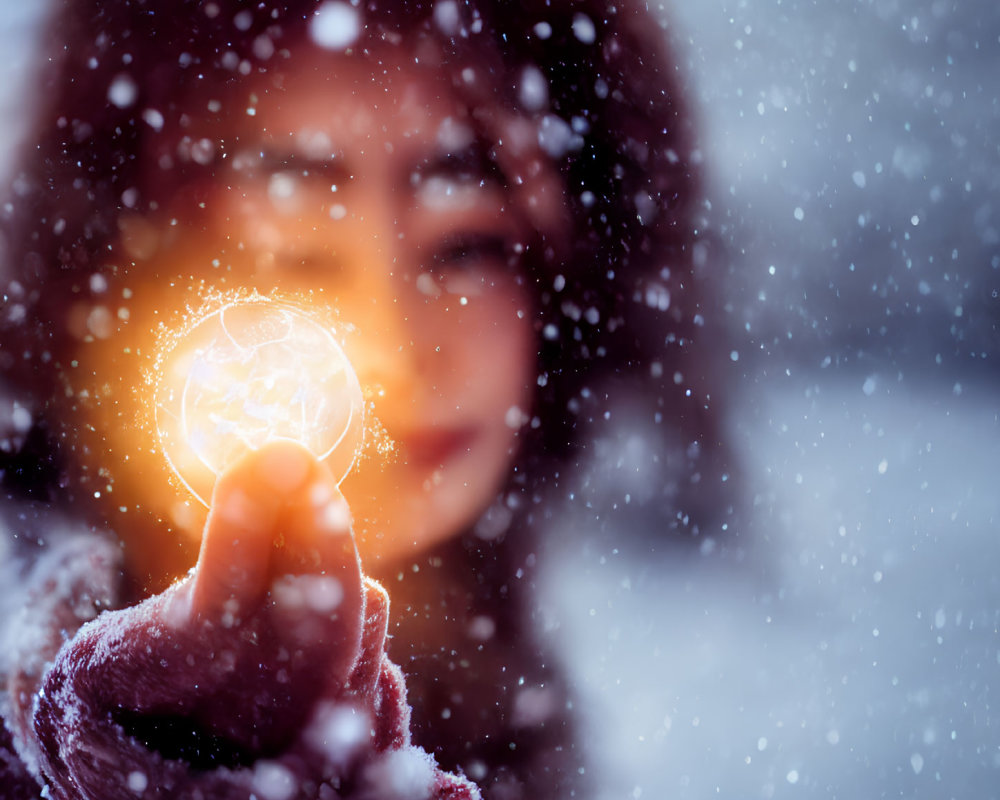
{"x":501,"y":200}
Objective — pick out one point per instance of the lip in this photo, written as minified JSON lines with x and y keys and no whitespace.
{"x":434,"y":447}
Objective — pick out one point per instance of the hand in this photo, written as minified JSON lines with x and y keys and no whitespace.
{"x":224,"y":677}
{"x":275,"y":603}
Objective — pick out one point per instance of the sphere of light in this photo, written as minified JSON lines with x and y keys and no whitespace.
{"x":251,"y":372}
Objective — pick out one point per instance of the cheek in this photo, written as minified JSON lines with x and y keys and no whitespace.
{"x":491,"y":345}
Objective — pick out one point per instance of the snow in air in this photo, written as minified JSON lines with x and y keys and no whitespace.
{"x":123,"y":91}
{"x":335,"y":25}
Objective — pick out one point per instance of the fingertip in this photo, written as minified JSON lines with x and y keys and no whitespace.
{"x":269,"y":475}
{"x":284,"y":465}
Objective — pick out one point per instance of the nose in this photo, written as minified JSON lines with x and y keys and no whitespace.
{"x":355,"y":262}
{"x":381,"y":347}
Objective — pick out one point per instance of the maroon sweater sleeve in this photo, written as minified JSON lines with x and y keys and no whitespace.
{"x":141,"y":702}
{"x":16,"y":783}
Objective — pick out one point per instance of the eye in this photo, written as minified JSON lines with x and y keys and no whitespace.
{"x":468,"y":249}
{"x":467,"y":263}
{"x":471,"y":164}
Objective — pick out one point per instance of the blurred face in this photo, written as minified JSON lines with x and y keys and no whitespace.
{"x":364,"y":182}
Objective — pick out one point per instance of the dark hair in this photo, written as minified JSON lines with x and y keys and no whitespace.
{"x":622,"y":326}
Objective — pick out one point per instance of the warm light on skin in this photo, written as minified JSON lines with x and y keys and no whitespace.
{"x":361,"y":191}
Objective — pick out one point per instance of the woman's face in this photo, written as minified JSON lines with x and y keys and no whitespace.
{"x":363,"y":181}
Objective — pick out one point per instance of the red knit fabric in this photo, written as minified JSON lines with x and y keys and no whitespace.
{"x":262,"y":674}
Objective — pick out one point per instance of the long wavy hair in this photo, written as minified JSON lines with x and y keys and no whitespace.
{"x":625,"y":358}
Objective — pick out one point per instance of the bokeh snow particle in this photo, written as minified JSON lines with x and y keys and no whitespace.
{"x":123,"y":91}
{"x":335,"y":26}
{"x":243,"y":20}
{"x":658,"y":296}
{"x":543,"y":30}
{"x":453,"y":135}
{"x":555,"y":136}
{"x":340,"y":733}
{"x":98,"y":283}
{"x":137,"y":781}
{"x":153,"y":118}
{"x":263,"y":47}
{"x":533,"y":91}
{"x":203,"y":151}
{"x":21,"y":419}
{"x":321,"y":594}
{"x":405,"y":774}
{"x":273,"y":781}
{"x":583,"y":29}
{"x":447,"y":17}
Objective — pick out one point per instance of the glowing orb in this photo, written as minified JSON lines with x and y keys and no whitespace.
{"x":248,"y":373}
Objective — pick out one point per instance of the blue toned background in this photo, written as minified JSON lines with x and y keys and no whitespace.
{"x":842,"y":642}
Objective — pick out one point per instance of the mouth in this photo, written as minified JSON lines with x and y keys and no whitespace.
{"x":434,"y":447}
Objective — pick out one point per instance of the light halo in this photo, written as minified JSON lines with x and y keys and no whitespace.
{"x":247,"y":370}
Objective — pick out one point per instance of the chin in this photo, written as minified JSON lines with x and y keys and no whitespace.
{"x":407,"y":516}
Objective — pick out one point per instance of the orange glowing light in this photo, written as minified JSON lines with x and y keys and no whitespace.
{"x":249,"y":371}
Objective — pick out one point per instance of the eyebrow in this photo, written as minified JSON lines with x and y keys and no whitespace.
{"x":470,"y":162}
{"x":333,"y":167}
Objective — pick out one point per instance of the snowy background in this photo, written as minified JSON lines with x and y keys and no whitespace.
{"x":852,"y":651}
{"x":18,"y":24}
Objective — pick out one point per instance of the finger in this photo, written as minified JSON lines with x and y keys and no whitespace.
{"x":364,"y":678}
{"x":313,"y":530}
{"x":231,"y":577}
{"x":316,"y":594}
{"x":277,"y":590}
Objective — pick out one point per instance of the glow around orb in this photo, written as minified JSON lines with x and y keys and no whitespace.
{"x":251,"y":372}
